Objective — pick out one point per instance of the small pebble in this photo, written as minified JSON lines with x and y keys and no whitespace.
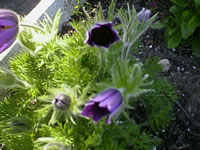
{"x":193,"y":67}
{"x":165,"y":64}
{"x":178,"y":68}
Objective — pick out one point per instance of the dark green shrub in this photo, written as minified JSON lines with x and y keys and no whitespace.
{"x":183,"y":25}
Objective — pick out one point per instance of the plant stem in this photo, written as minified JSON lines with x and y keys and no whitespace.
{"x":102,"y":60}
{"x":127,"y":52}
{"x":33,"y":26}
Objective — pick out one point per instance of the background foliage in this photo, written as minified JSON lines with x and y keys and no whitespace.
{"x":183,"y":25}
{"x":68,"y":60}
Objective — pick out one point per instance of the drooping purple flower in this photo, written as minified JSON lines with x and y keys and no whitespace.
{"x":102,"y":35}
{"x":144,"y":15}
{"x":8,"y":28}
{"x":107,"y":103}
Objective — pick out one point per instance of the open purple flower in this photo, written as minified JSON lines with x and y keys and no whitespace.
{"x":8,"y":28}
{"x":144,"y":15}
{"x":107,"y":103}
{"x":102,"y":35}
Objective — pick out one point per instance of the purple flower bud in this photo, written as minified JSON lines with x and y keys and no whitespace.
{"x":61,"y":101}
{"x":8,"y":28}
{"x":144,"y":15}
{"x":102,"y":35}
{"x":107,"y":103}
{"x":153,"y":4}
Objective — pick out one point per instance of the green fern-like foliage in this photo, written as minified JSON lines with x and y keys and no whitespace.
{"x":46,"y":65}
{"x":81,"y":136}
{"x":61,"y":60}
{"x":17,"y":142}
{"x":126,"y":136}
{"x":16,"y":104}
{"x":158,"y":104}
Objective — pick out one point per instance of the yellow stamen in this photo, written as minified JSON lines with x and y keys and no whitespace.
{"x":4,"y":27}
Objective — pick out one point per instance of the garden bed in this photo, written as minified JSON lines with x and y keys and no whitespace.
{"x":182,"y":133}
{"x":184,"y":74}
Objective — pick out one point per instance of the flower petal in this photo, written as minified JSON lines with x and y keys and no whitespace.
{"x":93,"y":111}
{"x":115,"y":113}
{"x":103,"y":95}
{"x":108,"y":25}
{"x":8,"y":15}
{"x":6,"y":45}
{"x":89,"y":40}
{"x":8,"y":28}
{"x":88,"y":109}
{"x":144,"y":15}
{"x":8,"y":34}
{"x":7,"y":22}
{"x":112,"y":102}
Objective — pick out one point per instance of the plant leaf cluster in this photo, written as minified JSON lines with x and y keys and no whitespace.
{"x":183,"y":25}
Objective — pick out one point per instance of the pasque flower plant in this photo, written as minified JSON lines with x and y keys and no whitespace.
{"x":126,"y":81}
{"x":8,"y":28}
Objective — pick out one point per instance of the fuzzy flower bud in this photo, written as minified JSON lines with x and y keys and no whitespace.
{"x":61,"y":101}
{"x":144,"y":15}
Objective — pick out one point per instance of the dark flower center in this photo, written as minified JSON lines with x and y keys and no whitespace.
{"x":3,"y":27}
{"x":98,"y":112}
{"x":102,"y":36}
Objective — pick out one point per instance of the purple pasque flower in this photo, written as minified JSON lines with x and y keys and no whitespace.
{"x":144,"y":15}
{"x":102,"y":35}
{"x":8,"y":28}
{"x":107,"y":103}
